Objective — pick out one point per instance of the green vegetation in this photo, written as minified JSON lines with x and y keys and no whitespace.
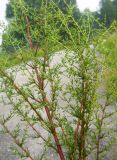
{"x":108,"y":11}
{"x":108,"y":48}
{"x":106,"y":15}
{"x":69,"y":112}
{"x":18,"y":34}
{"x":21,"y":56}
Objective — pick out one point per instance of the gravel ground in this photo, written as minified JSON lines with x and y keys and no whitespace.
{"x":5,"y":148}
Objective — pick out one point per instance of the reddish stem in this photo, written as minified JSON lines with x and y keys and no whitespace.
{"x":45,"y":100}
{"x":60,"y":152}
{"x":28,"y":32}
{"x":76,"y":135}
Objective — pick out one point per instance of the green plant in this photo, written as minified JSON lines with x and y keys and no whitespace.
{"x":60,"y":97}
{"x":106,"y":112}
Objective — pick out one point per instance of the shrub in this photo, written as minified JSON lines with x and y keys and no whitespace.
{"x":58,"y":95}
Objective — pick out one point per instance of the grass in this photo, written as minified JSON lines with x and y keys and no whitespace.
{"x":10,"y":60}
{"x":108,"y":48}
